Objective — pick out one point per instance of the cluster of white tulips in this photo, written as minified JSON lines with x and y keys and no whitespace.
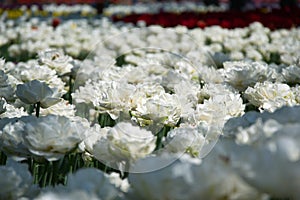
{"x":96,"y":110}
{"x":171,"y":6}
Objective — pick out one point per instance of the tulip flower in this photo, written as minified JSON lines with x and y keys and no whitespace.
{"x":36,"y":92}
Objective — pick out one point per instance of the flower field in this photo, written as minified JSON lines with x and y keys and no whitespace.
{"x":91,"y":108}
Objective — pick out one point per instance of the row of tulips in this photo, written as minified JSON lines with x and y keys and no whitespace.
{"x":167,"y":6}
{"x":47,"y":10}
{"x":274,"y":19}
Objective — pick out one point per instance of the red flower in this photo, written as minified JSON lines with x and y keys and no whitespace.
{"x":226,"y":24}
{"x":212,"y":21}
{"x":55,"y":22}
{"x":201,"y":24}
{"x":190,"y":23}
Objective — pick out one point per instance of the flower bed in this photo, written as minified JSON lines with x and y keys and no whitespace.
{"x":231,"y":19}
{"x":191,"y":15}
{"x":97,"y":110}
{"x":170,"y":7}
{"x":48,"y":10}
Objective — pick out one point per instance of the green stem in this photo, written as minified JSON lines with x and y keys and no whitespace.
{"x":35,"y":173}
{"x":105,"y":169}
{"x":70,"y":89}
{"x":76,"y":162}
{"x":30,"y":164}
{"x":37,"y":109}
{"x":50,"y":171}
{"x":42,"y":174}
{"x":105,"y":120}
{"x":45,"y":176}
{"x":125,"y":172}
{"x":31,"y":109}
{"x":3,"y":158}
{"x":162,"y":133}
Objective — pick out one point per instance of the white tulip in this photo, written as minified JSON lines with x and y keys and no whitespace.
{"x":37,"y":92}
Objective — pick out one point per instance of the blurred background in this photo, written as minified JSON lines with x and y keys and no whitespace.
{"x":237,"y":4}
{"x":193,"y":13}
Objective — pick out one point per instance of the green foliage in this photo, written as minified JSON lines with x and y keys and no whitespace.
{"x":46,"y":173}
{"x":105,"y":120}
